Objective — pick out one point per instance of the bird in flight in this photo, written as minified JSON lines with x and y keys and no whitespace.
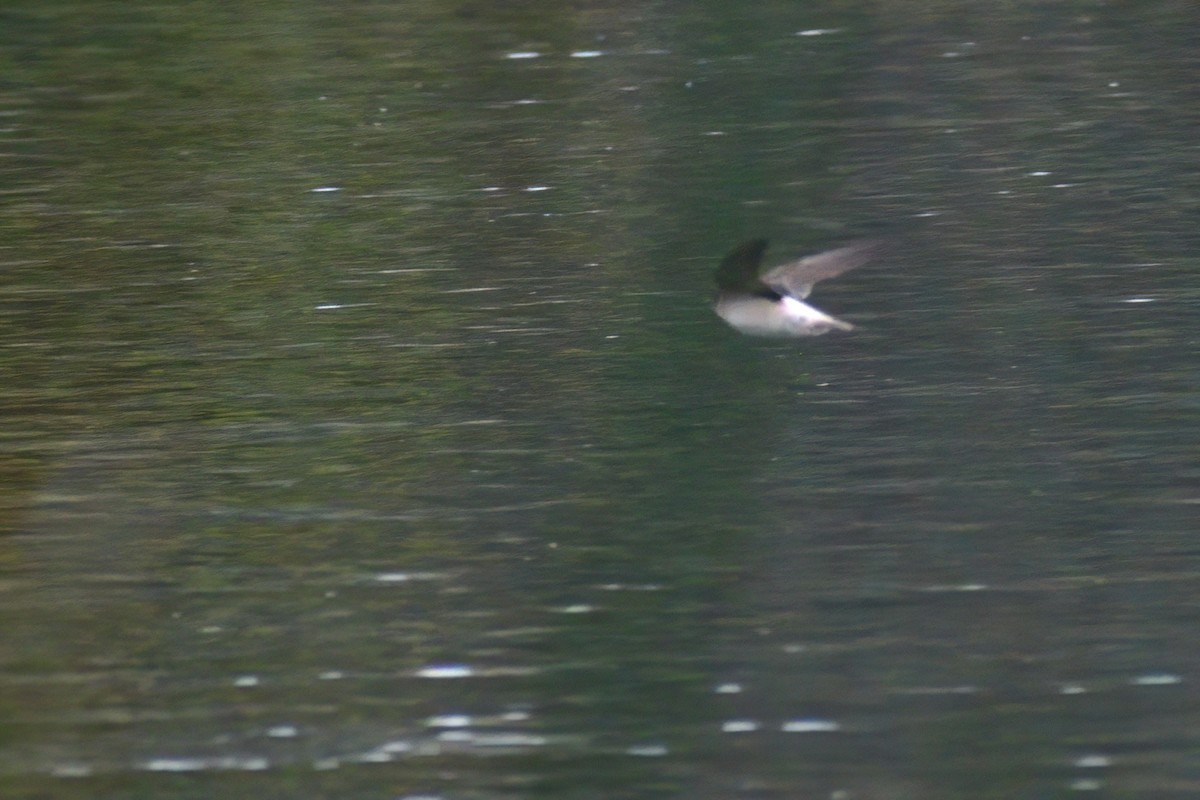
{"x":771,"y":303}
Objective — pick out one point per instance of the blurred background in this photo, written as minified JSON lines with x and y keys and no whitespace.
{"x":367,"y":432}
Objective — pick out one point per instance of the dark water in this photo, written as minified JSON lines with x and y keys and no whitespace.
{"x":367,"y":432}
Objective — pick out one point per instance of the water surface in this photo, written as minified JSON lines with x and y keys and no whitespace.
{"x":369,"y":435}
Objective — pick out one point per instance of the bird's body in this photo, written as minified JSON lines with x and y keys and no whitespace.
{"x":785,"y":316}
{"x":771,"y":303}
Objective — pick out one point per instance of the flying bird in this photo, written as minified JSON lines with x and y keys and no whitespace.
{"x":771,"y":303}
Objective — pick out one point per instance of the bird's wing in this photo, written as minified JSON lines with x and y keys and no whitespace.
{"x":739,"y":270}
{"x":797,"y":277}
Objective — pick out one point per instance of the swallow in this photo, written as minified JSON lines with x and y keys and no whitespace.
{"x":771,"y":303}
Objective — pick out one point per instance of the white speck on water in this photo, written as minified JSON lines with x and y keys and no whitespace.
{"x":246,"y":681}
{"x":818,"y":31}
{"x":647,"y":750}
{"x":327,"y":189}
{"x":578,"y":608}
{"x":729,"y":688}
{"x":714,"y":133}
{"x":173,"y":765}
{"x":331,"y":675}
{"x":523,"y":54}
{"x":631,"y":587}
{"x":1113,"y":84}
{"x":446,"y":671}
{"x":939,"y":690}
{"x":810,"y":726}
{"x":1139,"y":300}
{"x":283,"y":732}
{"x":587,"y":54}
{"x":383,"y":753}
{"x":449,"y":721}
{"x":1157,"y":679}
{"x":249,"y":764}
{"x":1072,"y":688}
{"x":739,"y":726}
{"x":1093,"y":761}
{"x":1039,"y":173}
{"x":537,"y":188}
{"x":509,"y":740}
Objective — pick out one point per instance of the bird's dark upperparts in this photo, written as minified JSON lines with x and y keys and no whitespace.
{"x":771,"y":303}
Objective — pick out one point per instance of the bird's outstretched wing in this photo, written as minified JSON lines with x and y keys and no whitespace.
{"x":796,"y":278}
{"x":738,"y":271}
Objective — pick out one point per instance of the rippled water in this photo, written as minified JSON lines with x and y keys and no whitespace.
{"x":368,"y":433}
